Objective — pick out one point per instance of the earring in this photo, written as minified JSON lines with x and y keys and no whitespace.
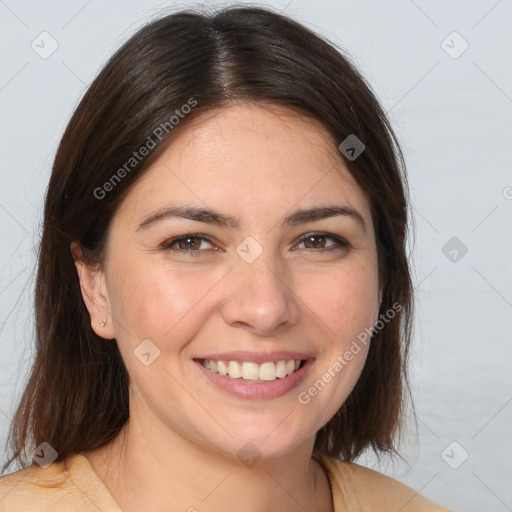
{"x":103,"y":323}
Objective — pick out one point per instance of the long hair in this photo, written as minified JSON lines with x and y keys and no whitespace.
{"x":76,"y":398}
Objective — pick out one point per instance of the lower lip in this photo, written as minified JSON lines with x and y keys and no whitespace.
{"x":257,"y":390}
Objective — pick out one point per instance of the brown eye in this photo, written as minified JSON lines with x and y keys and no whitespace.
{"x":188,"y":244}
{"x":322,"y":242}
{"x":315,"y":242}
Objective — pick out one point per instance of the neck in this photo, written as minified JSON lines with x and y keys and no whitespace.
{"x":145,"y":470}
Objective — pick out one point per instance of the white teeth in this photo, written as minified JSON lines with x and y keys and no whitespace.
{"x":281,"y":369}
{"x":222,"y":368}
{"x":267,"y":371}
{"x":250,"y":371}
{"x":247,"y":370}
{"x":235,"y":370}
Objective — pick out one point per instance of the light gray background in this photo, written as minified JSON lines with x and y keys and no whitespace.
{"x":454,"y":119}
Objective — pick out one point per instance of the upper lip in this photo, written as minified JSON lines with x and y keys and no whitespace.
{"x":256,"y":357}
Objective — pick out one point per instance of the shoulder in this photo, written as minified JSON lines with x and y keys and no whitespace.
{"x":359,"y":488}
{"x":32,"y":488}
{"x":67,"y":485}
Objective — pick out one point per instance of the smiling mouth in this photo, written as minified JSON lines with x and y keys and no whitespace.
{"x":253,"y":372}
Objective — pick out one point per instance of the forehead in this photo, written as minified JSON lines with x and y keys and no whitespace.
{"x":258,"y":160}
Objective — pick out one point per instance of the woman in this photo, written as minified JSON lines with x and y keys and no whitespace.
{"x":223,"y":298}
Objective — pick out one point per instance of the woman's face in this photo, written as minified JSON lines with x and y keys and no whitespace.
{"x":249,"y":244}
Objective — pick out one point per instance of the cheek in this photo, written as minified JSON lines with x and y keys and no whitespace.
{"x":158,"y":304}
{"x":346,"y":302}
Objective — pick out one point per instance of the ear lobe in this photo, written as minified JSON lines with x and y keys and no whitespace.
{"x":94,"y":294}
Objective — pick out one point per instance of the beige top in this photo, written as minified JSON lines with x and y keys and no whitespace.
{"x":73,"y":486}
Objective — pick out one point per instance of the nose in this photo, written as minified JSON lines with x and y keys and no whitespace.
{"x":259,"y":298}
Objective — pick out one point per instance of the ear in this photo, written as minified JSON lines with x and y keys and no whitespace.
{"x":94,"y":293}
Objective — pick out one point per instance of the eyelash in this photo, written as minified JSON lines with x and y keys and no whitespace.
{"x":167,"y":246}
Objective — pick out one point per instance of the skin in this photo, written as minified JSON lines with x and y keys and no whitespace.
{"x":257,"y":164}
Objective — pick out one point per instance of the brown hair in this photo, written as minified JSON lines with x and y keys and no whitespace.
{"x":76,"y":398}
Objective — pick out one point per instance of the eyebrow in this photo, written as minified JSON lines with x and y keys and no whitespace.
{"x":218,"y":219}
